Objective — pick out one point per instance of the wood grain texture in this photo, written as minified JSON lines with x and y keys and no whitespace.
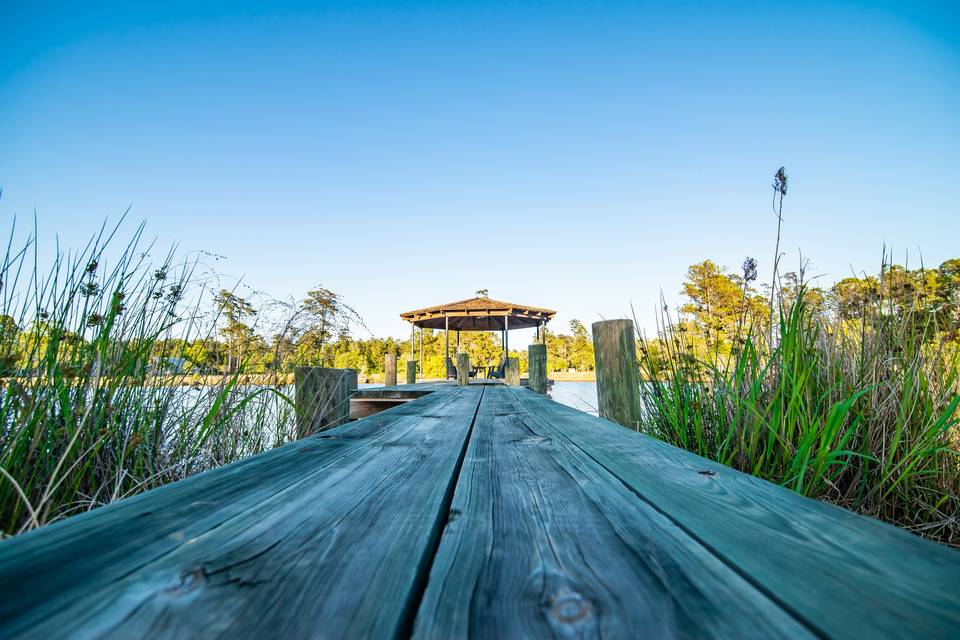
{"x":482,"y":510}
{"x":463,"y":368}
{"x":326,"y":537}
{"x":618,"y":382}
{"x":537,"y":367}
{"x":322,"y":398}
{"x":844,"y":575}
{"x":390,"y":369}
{"x":544,"y":543}
{"x":511,"y":373}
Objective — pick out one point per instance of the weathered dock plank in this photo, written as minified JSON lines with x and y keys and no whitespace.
{"x":475,"y":510}
{"x":843,"y":575}
{"x":543,"y":542}
{"x":326,"y":537}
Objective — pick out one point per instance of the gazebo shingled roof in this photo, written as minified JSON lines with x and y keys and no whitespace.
{"x":479,"y":314}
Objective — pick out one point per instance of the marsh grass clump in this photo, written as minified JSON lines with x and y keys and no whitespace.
{"x":86,"y":417}
{"x":856,"y":403}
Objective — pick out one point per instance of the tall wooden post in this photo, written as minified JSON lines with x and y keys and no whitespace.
{"x":322,"y":397}
{"x":537,"y":367}
{"x":511,"y":373}
{"x":390,"y":370}
{"x":411,"y":372}
{"x":618,"y":382}
{"x":463,"y":368}
{"x":421,"y":354}
{"x":446,"y":354}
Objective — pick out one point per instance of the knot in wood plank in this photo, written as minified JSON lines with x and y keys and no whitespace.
{"x":571,"y":613}
{"x":190,"y":581}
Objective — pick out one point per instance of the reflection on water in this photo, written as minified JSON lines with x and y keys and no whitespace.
{"x":579,"y":395}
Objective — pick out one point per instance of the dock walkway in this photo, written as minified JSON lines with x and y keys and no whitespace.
{"x":482,"y":510}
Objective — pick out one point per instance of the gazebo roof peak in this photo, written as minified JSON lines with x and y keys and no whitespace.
{"x":479,"y":313}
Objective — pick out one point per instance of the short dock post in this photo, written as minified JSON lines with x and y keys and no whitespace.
{"x":411,"y":372}
{"x":390,"y":370}
{"x":618,"y":382}
{"x":537,"y":368}
{"x":463,"y":368}
{"x":322,"y":397}
{"x":511,"y":373}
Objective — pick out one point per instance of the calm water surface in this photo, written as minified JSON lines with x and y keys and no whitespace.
{"x":579,"y":395}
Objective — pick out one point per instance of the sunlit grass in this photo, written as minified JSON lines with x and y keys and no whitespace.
{"x":861,"y":413}
{"x":84,"y":420}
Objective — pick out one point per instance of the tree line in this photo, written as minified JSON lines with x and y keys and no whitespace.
{"x":319,"y":330}
{"x":720,"y":308}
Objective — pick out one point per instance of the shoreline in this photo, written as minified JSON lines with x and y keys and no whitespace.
{"x":283,"y":379}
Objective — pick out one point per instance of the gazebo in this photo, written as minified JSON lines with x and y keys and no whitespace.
{"x":478,"y":314}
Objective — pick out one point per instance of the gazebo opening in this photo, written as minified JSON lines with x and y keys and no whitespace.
{"x":480,"y":314}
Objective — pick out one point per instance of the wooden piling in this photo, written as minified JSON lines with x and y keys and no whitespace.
{"x":463,"y":368}
{"x":537,"y":367}
{"x":411,"y":372}
{"x":390,"y":370}
{"x":618,"y":382}
{"x":322,"y":397}
{"x":511,"y":373}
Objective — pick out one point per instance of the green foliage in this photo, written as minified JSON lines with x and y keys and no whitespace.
{"x":856,"y":403}
{"x":566,"y":352}
{"x":237,"y":334}
{"x":581,"y":347}
{"x":97,"y":403}
{"x":84,"y":420}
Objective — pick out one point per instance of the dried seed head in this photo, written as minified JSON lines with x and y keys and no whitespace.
{"x":89,"y":289}
{"x":780,"y":181}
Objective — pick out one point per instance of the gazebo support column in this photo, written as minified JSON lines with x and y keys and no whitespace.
{"x":421,"y":352}
{"x":446,"y":359}
{"x":506,"y":338}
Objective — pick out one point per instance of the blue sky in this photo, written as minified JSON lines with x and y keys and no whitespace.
{"x":574,"y":156}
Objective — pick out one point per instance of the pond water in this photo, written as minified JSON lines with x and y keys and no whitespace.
{"x":579,"y":395}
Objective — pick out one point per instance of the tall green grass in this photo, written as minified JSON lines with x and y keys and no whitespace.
{"x":861,"y":413}
{"x":83,"y":419}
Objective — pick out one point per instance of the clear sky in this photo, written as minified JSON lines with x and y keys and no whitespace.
{"x":573,"y":156}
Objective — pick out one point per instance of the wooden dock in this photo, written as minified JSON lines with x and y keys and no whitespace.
{"x":479,"y":510}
